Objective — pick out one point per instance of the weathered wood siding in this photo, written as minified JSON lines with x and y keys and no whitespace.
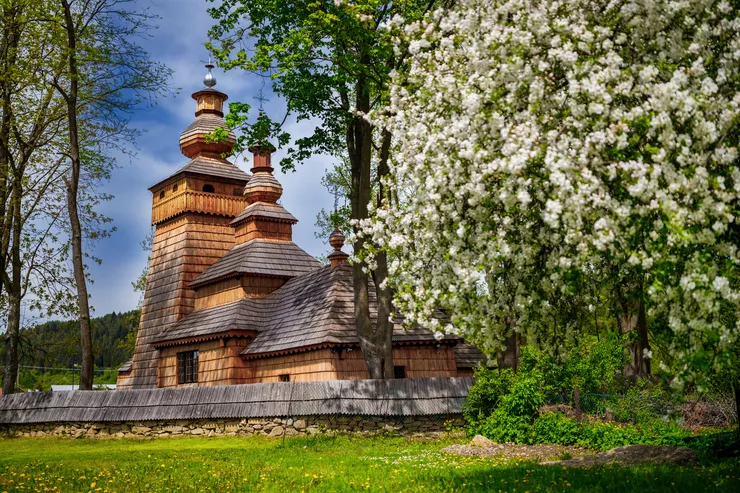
{"x":183,"y":248}
{"x":219,"y":363}
{"x":322,"y":364}
{"x":197,"y":201}
{"x":219,"y":293}
{"x":408,"y":397}
{"x":419,"y":362}
{"x":263,"y":228}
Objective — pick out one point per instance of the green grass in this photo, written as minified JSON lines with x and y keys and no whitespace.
{"x":314,"y":464}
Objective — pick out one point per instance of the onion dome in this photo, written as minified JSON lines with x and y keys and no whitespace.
{"x":209,"y":116}
{"x":263,"y":186}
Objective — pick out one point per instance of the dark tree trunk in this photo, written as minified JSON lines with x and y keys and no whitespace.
{"x":8,"y":191}
{"x":72,"y":183}
{"x":384,"y":325}
{"x":736,"y":388}
{"x":632,"y":318}
{"x":12,"y":339}
{"x":13,"y":288}
{"x":375,"y":341}
{"x":509,"y":357}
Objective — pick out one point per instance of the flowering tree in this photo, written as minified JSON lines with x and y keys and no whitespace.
{"x":544,"y":146}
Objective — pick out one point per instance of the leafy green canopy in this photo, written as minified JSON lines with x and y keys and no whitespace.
{"x":317,"y":54}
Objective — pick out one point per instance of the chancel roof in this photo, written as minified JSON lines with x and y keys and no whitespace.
{"x":311,"y":310}
{"x":260,"y":257}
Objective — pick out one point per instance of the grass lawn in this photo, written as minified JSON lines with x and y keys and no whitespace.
{"x":314,"y":464}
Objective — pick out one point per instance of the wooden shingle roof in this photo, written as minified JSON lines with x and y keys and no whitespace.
{"x":266,"y":210}
{"x":243,"y":315}
{"x":398,"y":397}
{"x":206,"y":123}
{"x":315,"y":309}
{"x":260,"y":257}
{"x":311,"y":310}
{"x":468,"y":356}
{"x":209,"y":166}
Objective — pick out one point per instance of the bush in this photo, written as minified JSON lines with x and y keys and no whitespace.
{"x":516,"y":403}
{"x":489,"y":387}
{"x":603,"y":435}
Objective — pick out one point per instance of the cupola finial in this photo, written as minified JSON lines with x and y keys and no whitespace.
{"x":209,"y":80}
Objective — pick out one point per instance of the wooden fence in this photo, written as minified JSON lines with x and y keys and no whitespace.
{"x":402,"y":397}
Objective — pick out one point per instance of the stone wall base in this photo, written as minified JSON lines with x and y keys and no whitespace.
{"x":275,"y":427}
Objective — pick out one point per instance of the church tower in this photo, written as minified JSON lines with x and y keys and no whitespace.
{"x":192,"y":211}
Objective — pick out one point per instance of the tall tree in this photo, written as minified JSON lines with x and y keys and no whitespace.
{"x":331,"y":61}
{"x":32,"y":121}
{"x":542,"y":144}
{"x":107,"y":76}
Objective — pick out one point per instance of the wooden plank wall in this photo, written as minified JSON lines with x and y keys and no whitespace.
{"x":183,"y":248}
{"x":219,"y":362}
{"x":263,"y":228}
{"x":420,"y":362}
{"x":310,"y":366}
{"x":219,"y":293}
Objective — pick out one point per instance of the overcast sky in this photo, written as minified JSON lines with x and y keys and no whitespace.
{"x":178,"y":43}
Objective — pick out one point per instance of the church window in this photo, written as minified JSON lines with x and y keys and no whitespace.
{"x":284,"y":378}
{"x":161,"y":195}
{"x":187,"y":367}
{"x":174,"y":187}
{"x":399,"y":372}
{"x":208,"y":188}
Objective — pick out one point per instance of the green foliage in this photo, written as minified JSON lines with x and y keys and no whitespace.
{"x":489,"y":387}
{"x":604,"y":435}
{"x":515,"y":402}
{"x":325,"y":58}
{"x":589,"y":365}
{"x":48,"y":350}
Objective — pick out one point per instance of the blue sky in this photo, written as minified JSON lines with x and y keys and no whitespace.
{"x":178,"y":42}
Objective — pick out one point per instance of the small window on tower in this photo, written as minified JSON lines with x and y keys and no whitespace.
{"x":284,"y":378}
{"x":208,"y":188}
{"x":187,"y":367}
{"x":174,"y":187}
{"x":399,"y":372}
{"x":161,"y":195}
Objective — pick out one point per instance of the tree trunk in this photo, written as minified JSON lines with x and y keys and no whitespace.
{"x":12,"y":340}
{"x":632,"y":317}
{"x":72,"y":183}
{"x":384,"y":324}
{"x":13,"y":288}
{"x":736,"y":388}
{"x":509,"y":357}
{"x":374,"y":342}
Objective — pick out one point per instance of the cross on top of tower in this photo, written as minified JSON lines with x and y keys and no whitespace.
{"x":261,"y":97}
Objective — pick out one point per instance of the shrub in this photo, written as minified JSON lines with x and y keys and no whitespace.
{"x":486,"y":392}
{"x":515,"y":403}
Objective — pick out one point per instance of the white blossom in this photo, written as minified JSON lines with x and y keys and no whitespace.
{"x":533,"y":138}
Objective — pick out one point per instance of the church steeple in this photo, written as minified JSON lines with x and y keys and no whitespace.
{"x":263,"y":217}
{"x":209,"y":116}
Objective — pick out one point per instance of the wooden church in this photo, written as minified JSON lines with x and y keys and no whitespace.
{"x":230,"y":299}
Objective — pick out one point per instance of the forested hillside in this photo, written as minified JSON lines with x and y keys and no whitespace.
{"x":49,"y":351}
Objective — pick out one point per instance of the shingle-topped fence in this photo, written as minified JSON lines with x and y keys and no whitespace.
{"x":399,"y":400}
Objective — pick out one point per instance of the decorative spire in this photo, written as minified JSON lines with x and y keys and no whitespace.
{"x":209,"y":80}
{"x":263,"y":186}
{"x":336,"y":240}
{"x":209,"y":116}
